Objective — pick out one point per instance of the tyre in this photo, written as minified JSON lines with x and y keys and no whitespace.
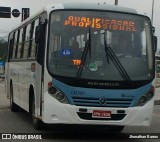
{"x":37,"y":124}
{"x":13,"y":106}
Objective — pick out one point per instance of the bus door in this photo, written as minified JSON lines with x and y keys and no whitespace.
{"x":39,"y":71}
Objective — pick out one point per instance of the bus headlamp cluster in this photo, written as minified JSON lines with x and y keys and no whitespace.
{"x":144,"y":99}
{"x":57,"y":94}
{"x":52,"y":90}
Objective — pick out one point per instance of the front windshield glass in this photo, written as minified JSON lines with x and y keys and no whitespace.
{"x":71,"y":33}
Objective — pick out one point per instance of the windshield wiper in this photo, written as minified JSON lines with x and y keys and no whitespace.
{"x":110,"y":54}
{"x":84,"y":55}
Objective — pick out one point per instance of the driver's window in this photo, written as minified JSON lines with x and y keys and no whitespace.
{"x":143,"y":42}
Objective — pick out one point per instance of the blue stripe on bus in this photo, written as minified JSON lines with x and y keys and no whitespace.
{"x":91,"y":97}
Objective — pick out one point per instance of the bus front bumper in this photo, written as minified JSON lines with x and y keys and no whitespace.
{"x":55,"y":112}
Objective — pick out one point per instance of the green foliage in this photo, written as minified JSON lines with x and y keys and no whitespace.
{"x":3,"y":49}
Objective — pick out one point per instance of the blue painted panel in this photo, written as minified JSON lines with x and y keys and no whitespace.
{"x":91,"y":97}
{"x":1,"y":63}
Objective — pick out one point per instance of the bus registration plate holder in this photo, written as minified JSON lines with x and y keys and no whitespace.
{"x":101,"y":114}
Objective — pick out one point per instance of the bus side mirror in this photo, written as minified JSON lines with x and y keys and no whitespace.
{"x":38,"y":34}
{"x":153,"y":29}
{"x":155,"y":43}
{"x":40,"y":31}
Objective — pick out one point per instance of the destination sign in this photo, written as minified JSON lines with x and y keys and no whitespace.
{"x":101,"y":23}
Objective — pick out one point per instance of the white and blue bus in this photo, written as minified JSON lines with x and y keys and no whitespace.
{"x":84,"y":64}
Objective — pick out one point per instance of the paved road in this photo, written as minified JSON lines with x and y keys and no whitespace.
{"x":20,"y":122}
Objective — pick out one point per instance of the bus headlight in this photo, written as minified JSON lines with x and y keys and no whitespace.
{"x":56,"y":93}
{"x":149,"y":95}
{"x":61,"y":97}
{"x":52,"y":90}
{"x":144,"y":99}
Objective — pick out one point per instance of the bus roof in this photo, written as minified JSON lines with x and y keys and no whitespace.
{"x":98,"y":6}
{"x":79,"y":5}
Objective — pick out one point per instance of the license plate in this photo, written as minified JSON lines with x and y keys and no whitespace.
{"x":101,"y":114}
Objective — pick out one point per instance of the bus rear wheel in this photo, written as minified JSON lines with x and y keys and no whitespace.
{"x":37,"y":124}
{"x":13,"y":106}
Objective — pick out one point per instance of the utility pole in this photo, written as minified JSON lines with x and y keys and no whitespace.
{"x":116,"y":2}
{"x":152,"y":11}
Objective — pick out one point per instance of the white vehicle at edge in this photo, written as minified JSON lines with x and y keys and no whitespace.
{"x":65,"y":66}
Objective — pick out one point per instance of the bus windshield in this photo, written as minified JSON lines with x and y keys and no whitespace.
{"x":87,"y":43}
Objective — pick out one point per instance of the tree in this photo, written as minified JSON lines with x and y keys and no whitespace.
{"x":3,"y":49}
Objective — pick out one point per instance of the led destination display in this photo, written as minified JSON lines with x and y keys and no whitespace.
{"x":101,"y":23}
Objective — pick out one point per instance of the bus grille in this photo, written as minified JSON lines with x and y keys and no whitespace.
{"x":95,"y":102}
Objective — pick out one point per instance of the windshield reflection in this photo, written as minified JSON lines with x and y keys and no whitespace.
{"x":81,"y":51}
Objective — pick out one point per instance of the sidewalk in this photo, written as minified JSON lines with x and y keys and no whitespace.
{"x":157,"y":96}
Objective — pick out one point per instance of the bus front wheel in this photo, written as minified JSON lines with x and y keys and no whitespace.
{"x":13,"y":106}
{"x":38,"y":124}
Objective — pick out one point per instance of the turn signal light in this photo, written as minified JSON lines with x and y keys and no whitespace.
{"x":49,"y":84}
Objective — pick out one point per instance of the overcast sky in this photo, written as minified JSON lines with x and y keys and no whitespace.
{"x":142,"y":7}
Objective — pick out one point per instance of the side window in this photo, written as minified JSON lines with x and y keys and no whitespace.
{"x":26,"y":41}
{"x":11,"y":46}
{"x":143,"y":42}
{"x":19,"y":51}
{"x":15,"y":45}
{"x":32,"y":53}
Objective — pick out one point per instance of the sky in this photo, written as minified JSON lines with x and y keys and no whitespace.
{"x":142,"y":6}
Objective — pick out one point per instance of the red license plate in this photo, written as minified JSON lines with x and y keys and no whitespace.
{"x":101,"y":114}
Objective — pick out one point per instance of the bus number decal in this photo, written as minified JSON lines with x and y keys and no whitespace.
{"x":77,"y":93}
{"x":66,"y":52}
